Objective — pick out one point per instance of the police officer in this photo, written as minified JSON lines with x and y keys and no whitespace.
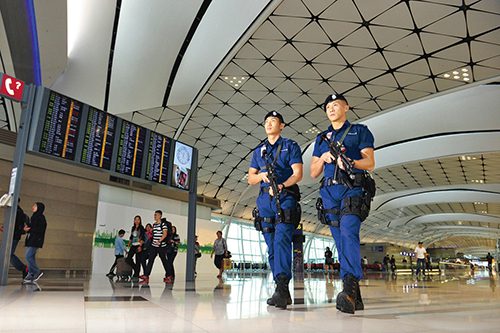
{"x":343,"y":205}
{"x":286,"y":157}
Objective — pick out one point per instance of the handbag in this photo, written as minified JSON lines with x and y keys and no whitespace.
{"x":226,"y":263}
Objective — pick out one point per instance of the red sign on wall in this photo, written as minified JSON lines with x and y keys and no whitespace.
{"x":12,"y":88}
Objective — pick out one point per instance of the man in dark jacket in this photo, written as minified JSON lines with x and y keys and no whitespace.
{"x":21,"y":220}
{"x":34,"y":241}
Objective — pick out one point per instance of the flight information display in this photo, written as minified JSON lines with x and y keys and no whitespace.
{"x":131,"y":149}
{"x":61,"y":126}
{"x":158,"y":158}
{"x":99,"y":139}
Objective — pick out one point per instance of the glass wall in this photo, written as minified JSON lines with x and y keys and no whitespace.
{"x":248,"y":246}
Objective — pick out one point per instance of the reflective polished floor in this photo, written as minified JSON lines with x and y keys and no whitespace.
{"x":237,"y":303}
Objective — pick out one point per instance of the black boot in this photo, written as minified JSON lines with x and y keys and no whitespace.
{"x":346,"y":299}
{"x":359,"y":302}
{"x":282,"y":293}
{"x":270,"y":301}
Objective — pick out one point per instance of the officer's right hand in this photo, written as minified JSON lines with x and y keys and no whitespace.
{"x":264,"y":177}
{"x":327,"y":157}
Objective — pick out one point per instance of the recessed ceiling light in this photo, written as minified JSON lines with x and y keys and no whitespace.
{"x":465,"y":70}
{"x":465,"y":74}
{"x":466,"y":79}
{"x":456,"y":77}
{"x":446,"y":75}
{"x":234,"y":77}
{"x":455,"y":72}
{"x":226,"y":78}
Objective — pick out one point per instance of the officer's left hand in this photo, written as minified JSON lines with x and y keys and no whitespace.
{"x":341,"y":164}
{"x":280,"y":187}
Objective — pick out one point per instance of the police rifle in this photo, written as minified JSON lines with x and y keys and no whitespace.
{"x":337,"y":150}
{"x":273,"y":181}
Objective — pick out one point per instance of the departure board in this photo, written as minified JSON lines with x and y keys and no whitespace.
{"x":99,"y":138}
{"x":131,"y":149}
{"x":158,"y":158}
{"x":61,"y":125}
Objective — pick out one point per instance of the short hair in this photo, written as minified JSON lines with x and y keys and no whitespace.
{"x":218,"y":231}
{"x":121,"y":232}
{"x":159,"y":212}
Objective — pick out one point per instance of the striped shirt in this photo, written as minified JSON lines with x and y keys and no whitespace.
{"x":158,"y":234}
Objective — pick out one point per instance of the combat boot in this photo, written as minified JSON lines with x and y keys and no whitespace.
{"x":270,"y":300}
{"x":346,"y":299}
{"x":359,"y":302}
{"x":282,"y":293}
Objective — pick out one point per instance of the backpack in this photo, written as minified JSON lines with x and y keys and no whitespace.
{"x":169,"y":230}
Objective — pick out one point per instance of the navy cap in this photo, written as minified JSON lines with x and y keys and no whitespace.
{"x":333,"y":97}
{"x":274,"y":114}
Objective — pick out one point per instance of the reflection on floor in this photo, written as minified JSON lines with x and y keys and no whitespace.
{"x":237,"y":303}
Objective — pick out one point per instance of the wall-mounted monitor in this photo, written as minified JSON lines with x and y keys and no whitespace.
{"x":158,"y":158}
{"x":181,"y":169}
{"x":131,"y":149}
{"x":61,"y":125}
{"x":99,"y":138}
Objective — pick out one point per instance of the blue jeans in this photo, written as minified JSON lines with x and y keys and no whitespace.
{"x":14,"y":260}
{"x":421,"y":263}
{"x":30,"y":258}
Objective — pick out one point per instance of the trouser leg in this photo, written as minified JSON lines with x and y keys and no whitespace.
{"x":153,"y":252}
{"x":31,"y":259}
{"x":14,"y":260}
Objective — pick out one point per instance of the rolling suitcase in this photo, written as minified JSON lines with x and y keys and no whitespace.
{"x":123,"y":269}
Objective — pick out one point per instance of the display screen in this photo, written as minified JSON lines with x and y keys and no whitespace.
{"x":60,"y":129}
{"x":158,"y":158}
{"x":131,"y":149}
{"x":181,"y":169}
{"x":99,"y":138}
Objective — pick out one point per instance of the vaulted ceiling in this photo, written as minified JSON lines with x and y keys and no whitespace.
{"x":423,"y":75}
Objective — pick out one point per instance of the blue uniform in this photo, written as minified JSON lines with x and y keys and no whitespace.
{"x":279,"y":243}
{"x":346,"y":236}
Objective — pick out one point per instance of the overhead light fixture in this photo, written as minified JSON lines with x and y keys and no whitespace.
{"x":461,"y":74}
{"x":234,"y":81}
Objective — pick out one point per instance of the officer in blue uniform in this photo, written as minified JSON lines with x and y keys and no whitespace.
{"x":344,"y":208}
{"x":286,"y":156}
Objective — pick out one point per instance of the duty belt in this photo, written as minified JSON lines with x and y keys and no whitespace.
{"x":357,"y":181}
{"x":265,"y":189}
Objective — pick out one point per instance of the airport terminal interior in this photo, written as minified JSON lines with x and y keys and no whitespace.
{"x":184,"y":86}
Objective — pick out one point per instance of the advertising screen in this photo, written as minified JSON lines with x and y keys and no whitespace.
{"x":99,"y":139}
{"x":131,"y":149}
{"x":181,"y":169}
{"x":61,"y":126}
{"x":158,"y":158}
